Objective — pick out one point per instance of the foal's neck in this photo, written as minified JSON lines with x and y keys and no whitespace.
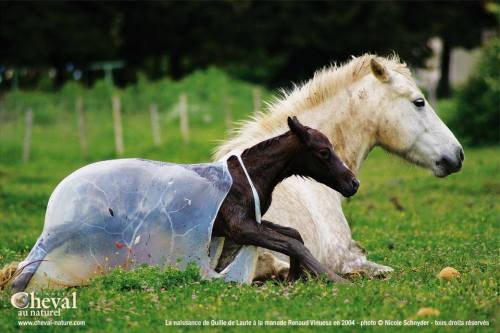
{"x":270,"y":161}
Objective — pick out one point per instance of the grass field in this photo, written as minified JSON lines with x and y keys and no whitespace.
{"x":402,"y":215}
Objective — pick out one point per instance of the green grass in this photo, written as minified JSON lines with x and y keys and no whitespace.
{"x":442,"y":222}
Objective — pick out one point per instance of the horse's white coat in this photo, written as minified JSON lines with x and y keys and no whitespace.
{"x":362,"y":104}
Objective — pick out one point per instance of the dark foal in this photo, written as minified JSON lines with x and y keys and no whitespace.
{"x":302,"y":151}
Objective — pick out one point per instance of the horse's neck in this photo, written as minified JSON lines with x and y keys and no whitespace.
{"x":349,"y":124}
{"x":268,"y":162}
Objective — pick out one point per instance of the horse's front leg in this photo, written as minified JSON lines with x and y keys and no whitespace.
{"x":295,"y":271}
{"x":248,"y":232}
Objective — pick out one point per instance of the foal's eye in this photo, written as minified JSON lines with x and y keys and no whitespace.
{"x":419,"y":102}
{"x":324,"y":153}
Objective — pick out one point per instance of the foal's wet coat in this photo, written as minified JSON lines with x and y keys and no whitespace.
{"x":302,"y":151}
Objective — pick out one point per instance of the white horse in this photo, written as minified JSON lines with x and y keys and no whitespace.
{"x":370,"y":101}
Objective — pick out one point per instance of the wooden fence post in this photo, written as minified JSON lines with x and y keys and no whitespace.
{"x":2,"y":111}
{"x":3,"y":117}
{"x":82,"y":129}
{"x":257,"y":99}
{"x":117,"y":123}
{"x":155,"y":124}
{"x":183,"y":113}
{"x":228,"y":117}
{"x":27,"y":135}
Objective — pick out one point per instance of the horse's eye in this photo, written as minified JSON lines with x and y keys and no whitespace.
{"x":324,"y":153}
{"x":419,"y":102}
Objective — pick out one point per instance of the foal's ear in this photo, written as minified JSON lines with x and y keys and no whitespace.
{"x":298,"y":129}
{"x":379,"y":70}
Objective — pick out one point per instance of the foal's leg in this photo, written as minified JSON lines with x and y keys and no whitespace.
{"x":287,"y":231}
{"x":250,"y":233}
{"x":295,"y":271}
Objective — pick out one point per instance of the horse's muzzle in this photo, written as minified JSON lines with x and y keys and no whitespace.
{"x":451,"y":164}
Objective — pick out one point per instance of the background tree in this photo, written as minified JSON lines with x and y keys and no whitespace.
{"x":267,"y":42}
{"x":458,"y":24}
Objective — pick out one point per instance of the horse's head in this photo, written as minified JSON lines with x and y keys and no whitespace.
{"x":318,"y":160}
{"x":408,"y":125}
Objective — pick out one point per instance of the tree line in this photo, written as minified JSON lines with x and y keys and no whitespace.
{"x":272,"y":43}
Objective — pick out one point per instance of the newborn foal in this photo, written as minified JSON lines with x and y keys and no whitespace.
{"x":302,"y":151}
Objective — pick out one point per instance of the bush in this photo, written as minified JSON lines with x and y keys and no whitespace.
{"x":478,"y":102}
{"x":208,"y":92}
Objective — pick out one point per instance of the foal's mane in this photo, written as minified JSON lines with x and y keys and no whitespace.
{"x":266,"y":143}
{"x":324,"y":84}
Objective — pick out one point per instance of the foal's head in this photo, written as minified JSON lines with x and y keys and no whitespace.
{"x":318,"y":160}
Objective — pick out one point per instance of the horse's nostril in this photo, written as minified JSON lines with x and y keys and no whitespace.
{"x":355,"y":184}
{"x":450,"y":165}
{"x":461,"y":154}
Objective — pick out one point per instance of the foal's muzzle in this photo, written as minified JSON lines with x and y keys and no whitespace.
{"x":351,"y":189}
{"x":355,"y":184}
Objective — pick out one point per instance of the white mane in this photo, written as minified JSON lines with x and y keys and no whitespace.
{"x":324,"y":84}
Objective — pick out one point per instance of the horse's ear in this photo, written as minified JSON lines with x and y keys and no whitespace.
{"x":298,"y":129}
{"x":379,"y":70}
